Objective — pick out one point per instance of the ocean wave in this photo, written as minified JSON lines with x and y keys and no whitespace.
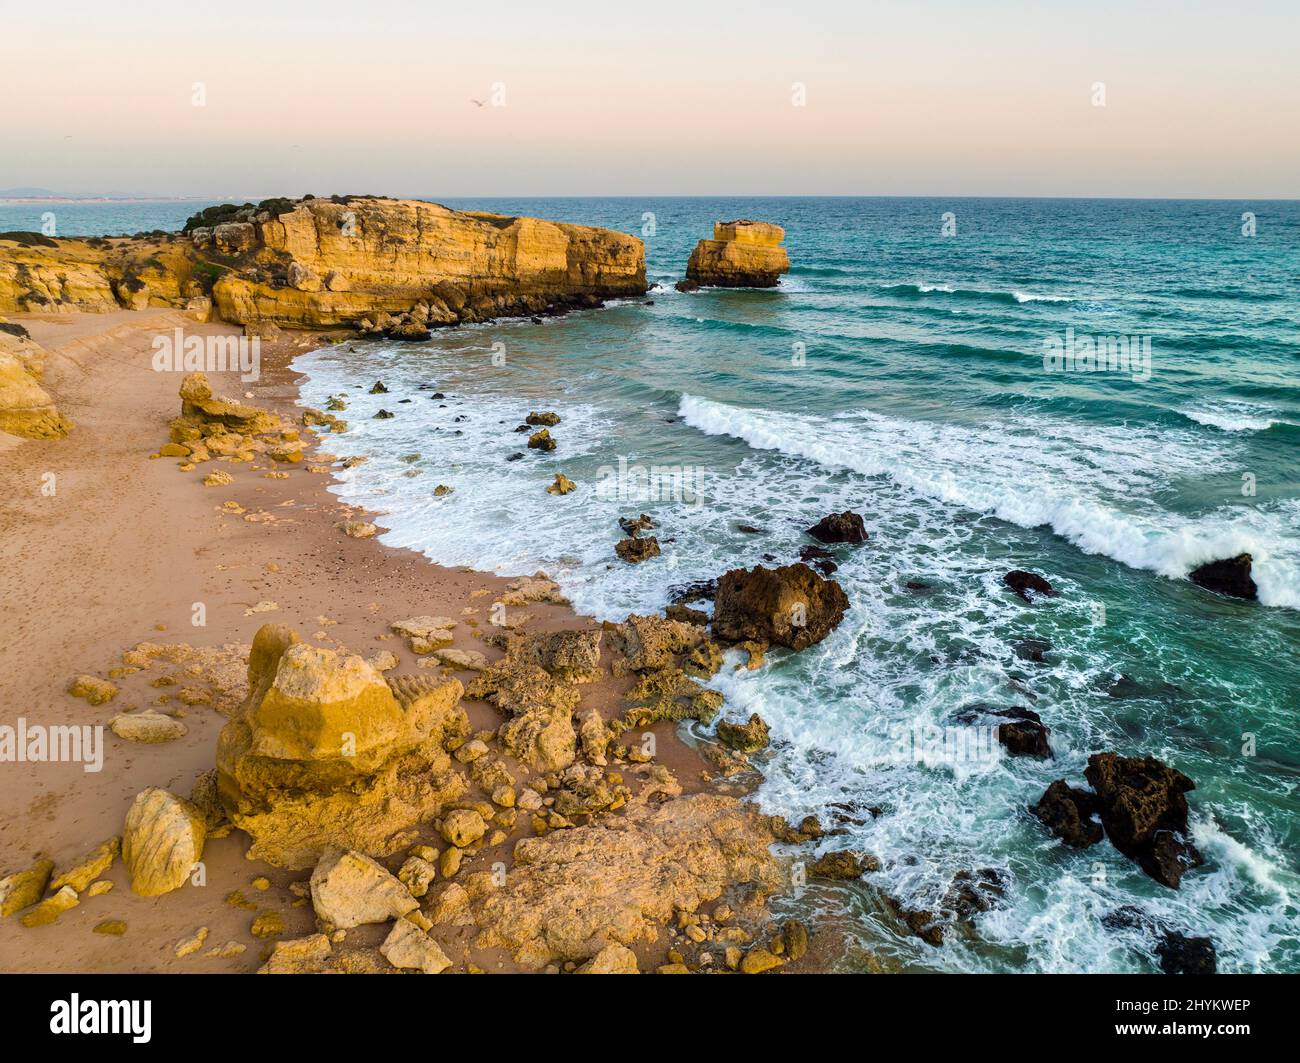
{"x":1035,"y":475}
{"x":1232,"y":418}
{"x":1013,"y":296}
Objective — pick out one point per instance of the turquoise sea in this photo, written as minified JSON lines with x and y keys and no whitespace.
{"x":900,"y":372}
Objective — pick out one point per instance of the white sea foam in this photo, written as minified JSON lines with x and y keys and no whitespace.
{"x":1232,"y":417}
{"x":1065,"y":477}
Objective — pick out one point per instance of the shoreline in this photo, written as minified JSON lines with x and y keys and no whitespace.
{"x":281,"y":547}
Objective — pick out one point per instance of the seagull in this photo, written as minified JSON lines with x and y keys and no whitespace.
{"x":476,"y":103}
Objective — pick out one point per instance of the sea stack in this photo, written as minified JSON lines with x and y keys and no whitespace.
{"x":742,"y":254}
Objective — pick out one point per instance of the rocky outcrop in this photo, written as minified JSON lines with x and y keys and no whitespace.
{"x":397,"y":266}
{"x":790,"y":606}
{"x":342,"y":261}
{"x":573,"y":893}
{"x":1142,"y":805}
{"x":1023,"y":583}
{"x":26,"y":409}
{"x":846,"y":527}
{"x":1231,"y":577}
{"x":325,"y":752}
{"x":742,"y":254}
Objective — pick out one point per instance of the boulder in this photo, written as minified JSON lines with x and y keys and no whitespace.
{"x":349,"y":889}
{"x":843,"y":864}
{"x":612,"y":959}
{"x":744,"y":737}
{"x":846,"y":527}
{"x":1144,"y":809}
{"x":1023,"y":582}
{"x":149,"y":727}
{"x":1068,"y":814}
{"x":162,"y":841}
{"x":410,"y":948}
{"x":1231,"y":577}
{"x":635,"y":549}
{"x":24,"y":888}
{"x":542,"y":419}
{"x":541,"y":440}
{"x":742,"y":254}
{"x":790,"y":606}
{"x":325,"y":752}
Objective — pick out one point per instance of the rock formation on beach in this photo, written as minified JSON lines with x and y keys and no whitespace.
{"x":742,"y":254}
{"x":402,"y":266}
{"x":26,"y":409}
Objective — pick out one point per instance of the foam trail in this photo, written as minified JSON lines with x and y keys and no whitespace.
{"x":1017,"y":477}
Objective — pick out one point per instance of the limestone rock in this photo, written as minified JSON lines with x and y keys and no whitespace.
{"x":612,"y":959}
{"x":94,"y":690}
{"x":409,"y":947}
{"x":573,"y":892}
{"x":349,"y":889}
{"x":742,"y":254}
{"x":306,"y":955}
{"x":149,"y":727}
{"x":462,"y":827}
{"x":425,"y":633}
{"x":162,"y":841}
{"x":325,"y":753}
{"x":789,"y":606}
{"x":26,"y":409}
{"x":744,"y":738}
{"x":636,"y":549}
{"x":416,"y":874}
{"x":190,"y":945}
{"x":562,"y":486}
{"x":846,"y":527}
{"x":84,"y":871}
{"x":51,"y":908}
{"x":24,"y":888}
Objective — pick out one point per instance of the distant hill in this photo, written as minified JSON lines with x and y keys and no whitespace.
{"x":27,"y":192}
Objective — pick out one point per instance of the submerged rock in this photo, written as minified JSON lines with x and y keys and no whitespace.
{"x":1231,"y":577}
{"x":634,"y":550}
{"x":1180,"y":954}
{"x":1068,"y":813}
{"x":790,"y":606}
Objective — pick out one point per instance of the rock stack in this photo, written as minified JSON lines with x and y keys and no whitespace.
{"x":742,"y":254}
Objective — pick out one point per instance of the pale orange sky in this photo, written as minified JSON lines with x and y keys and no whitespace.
{"x":921,"y":98}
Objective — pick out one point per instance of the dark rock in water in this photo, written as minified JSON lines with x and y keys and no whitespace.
{"x":1023,"y":582}
{"x":1128,"y":687}
{"x":843,"y":865}
{"x":843,"y":527}
{"x":1180,"y":954}
{"x":408,"y":330}
{"x":541,"y":440}
{"x":536,"y":320}
{"x":920,"y":922}
{"x":403,"y":401}
{"x":795,"y":936}
{"x":544,"y":418}
{"x":1025,"y":738}
{"x":1143,"y":808}
{"x":702,"y":591}
{"x":976,"y":891}
{"x":437,"y":395}
{"x":1067,"y":813}
{"x":1231,"y":576}
{"x":744,"y":737}
{"x":1128,"y":917}
{"x":687,"y":615}
{"x":634,"y":549}
{"x":378,"y":388}
{"x":515,"y":456}
{"x":383,"y":415}
{"x":634,"y":526}
{"x":687,"y":286}
{"x":524,"y":428}
{"x":820,"y":558}
{"x":1032,"y":650}
{"x":790,"y":606}
{"x":749,"y":529}
{"x":916,"y":586}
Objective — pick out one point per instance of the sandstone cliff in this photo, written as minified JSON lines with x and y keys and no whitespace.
{"x":401,"y":266}
{"x":25,"y":407}
{"x":742,"y":254}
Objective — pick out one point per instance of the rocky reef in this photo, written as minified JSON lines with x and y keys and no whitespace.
{"x":742,"y":254}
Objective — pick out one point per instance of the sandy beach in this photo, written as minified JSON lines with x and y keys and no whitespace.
{"x":119,"y":554}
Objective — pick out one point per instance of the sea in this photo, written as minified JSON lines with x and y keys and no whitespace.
{"x":1102,"y":391}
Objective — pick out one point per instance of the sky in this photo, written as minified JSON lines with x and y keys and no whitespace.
{"x":1149,"y":98}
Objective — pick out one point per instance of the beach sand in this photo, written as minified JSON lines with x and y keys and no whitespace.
{"x":119,"y":554}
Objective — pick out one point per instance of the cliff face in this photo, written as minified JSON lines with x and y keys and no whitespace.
{"x":328,"y":263}
{"x":25,"y":407}
{"x":352,"y":261}
{"x":742,"y":254}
